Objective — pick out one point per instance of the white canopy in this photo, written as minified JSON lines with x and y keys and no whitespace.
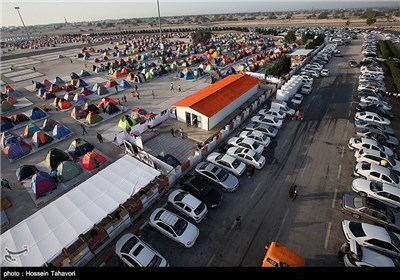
{"x":301,"y":52}
{"x":59,"y":224}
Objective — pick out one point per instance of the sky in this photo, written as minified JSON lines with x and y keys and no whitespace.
{"x":53,"y":11}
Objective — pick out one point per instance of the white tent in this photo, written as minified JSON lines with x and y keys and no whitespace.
{"x":59,"y":224}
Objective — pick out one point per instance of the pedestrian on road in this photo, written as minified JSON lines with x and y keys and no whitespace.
{"x":179,"y":88}
{"x":116,"y":88}
{"x":99,"y":137}
{"x":172,"y":86}
{"x":70,"y":61}
{"x":83,"y":129}
{"x":5,"y":183}
{"x":152,"y":94}
{"x":137,"y":95}
{"x":343,"y":250}
{"x":172,"y":132}
{"x":34,"y":68}
{"x":297,"y":115}
{"x":181,"y":132}
{"x":119,"y":102}
{"x":124,"y":98}
{"x":293,"y":192}
{"x":238,"y":221}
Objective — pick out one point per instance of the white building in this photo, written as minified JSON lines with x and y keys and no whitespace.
{"x":209,"y":106}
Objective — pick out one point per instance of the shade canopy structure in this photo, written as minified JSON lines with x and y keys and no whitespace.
{"x":59,"y":224}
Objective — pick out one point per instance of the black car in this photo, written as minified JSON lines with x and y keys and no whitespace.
{"x":201,"y":189}
{"x":376,"y":109}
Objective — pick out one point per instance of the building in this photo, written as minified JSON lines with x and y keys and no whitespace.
{"x":209,"y":106}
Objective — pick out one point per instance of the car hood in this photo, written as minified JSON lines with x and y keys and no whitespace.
{"x":213,"y":199}
{"x":361,"y":184}
{"x":231,"y":182}
{"x":392,"y":140}
{"x":376,"y":259}
{"x":189,"y":235}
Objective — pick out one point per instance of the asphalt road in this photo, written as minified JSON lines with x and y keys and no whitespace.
{"x":311,"y":153}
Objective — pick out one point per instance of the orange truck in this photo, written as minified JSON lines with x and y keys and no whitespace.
{"x":278,"y":255}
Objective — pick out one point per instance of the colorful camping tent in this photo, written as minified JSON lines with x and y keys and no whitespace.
{"x":46,"y":83}
{"x":58,"y":81}
{"x":105,"y":101}
{"x":48,"y":125}
{"x":19,"y":118}
{"x":60,"y":131}
{"x":64,"y":104}
{"x":54,"y":88}
{"x":25,"y":171}
{"x":40,"y":138}
{"x":93,"y":118}
{"x":95,"y":87}
{"x":78,"y":113}
{"x":81,"y":83}
{"x":101,"y":90}
{"x":86,"y":91}
{"x":126,"y":122}
{"x":67,"y":170}
{"x":79,"y":147}
{"x":29,"y":130}
{"x":124,"y":84}
{"x":6,"y":123}
{"x":68,"y":87}
{"x":110,"y":108}
{"x":79,"y":97}
{"x":69,"y":96}
{"x":54,"y":157}
{"x":84,"y":73}
{"x":37,"y":113}
{"x":17,"y":149}
{"x":42,"y":183}
{"x":111,"y":83}
{"x":6,"y":106}
{"x":92,"y":160}
{"x":74,"y":76}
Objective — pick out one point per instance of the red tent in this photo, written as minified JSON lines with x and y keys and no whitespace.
{"x":92,"y":160}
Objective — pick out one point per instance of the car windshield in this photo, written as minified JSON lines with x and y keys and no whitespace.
{"x":257,"y":156}
{"x":180,"y":226}
{"x":222,"y":175}
{"x":129,"y":245}
{"x":394,"y":177}
{"x":356,"y":229}
{"x":376,"y":186}
{"x":199,"y":209}
{"x":357,"y":140}
{"x":358,"y":202}
{"x":219,"y":157}
{"x":391,"y":161}
{"x":180,"y":196}
{"x":380,"y":147}
{"x":235,"y":163}
{"x":255,"y":145}
{"x":394,"y":239}
{"x":155,"y":261}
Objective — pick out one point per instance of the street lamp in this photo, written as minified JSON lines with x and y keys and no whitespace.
{"x":26,"y":30}
{"x":159,"y":24}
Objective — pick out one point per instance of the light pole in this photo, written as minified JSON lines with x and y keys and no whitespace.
{"x":159,"y":24}
{"x":26,"y":30}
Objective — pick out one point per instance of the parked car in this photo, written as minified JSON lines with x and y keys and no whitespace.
{"x":353,"y":63}
{"x":134,"y":252}
{"x":377,"y":173}
{"x":372,"y":210}
{"x":376,"y":157}
{"x":386,"y":193}
{"x":279,"y":114}
{"x":324,"y":73}
{"x":247,"y":156}
{"x":225,"y":180}
{"x":264,"y":128}
{"x":188,"y":205}
{"x":297,"y":98}
{"x":359,"y":256}
{"x":375,"y":109}
{"x":370,"y":116}
{"x":272,"y":121}
{"x":373,"y":237}
{"x":202,"y":189}
{"x":248,"y":143}
{"x":227,"y":162}
{"x":385,"y":128}
{"x":174,"y":227}
{"x":256,"y":135}
{"x":367,"y":143}
{"x":278,"y":255}
{"x":378,"y":135}
{"x":306,"y":89}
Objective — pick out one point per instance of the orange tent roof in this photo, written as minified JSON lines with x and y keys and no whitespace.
{"x":212,"y":99}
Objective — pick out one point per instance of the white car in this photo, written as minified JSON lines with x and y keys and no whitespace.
{"x":247,"y":156}
{"x":297,"y":99}
{"x":273,"y":112}
{"x":306,"y":89}
{"x":272,"y":121}
{"x":264,"y":128}
{"x":373,"y":237}
{"x":134,"y":252}
{"x":363,"y":257}
{"x":324,"y":73}
{"x":188,"y":205}
{"x":174,"y":227}
{"x":375,"y":100}
{"x":377,"y":173}
{"x":256,"y":135}
{"x":372,"y":117}
{"x":226,"y":181}
{"x":386,"y":193}
{"x":367,"y":143}
{"x":375,"y":157}
{"x":246,"y":143}
{"x":227,"y":162}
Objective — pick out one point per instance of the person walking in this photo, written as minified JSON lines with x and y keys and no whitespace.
{"x":293,"y":192}
{"x":297,"y":114}
{"x":34,"y":68}
{"x":119,"y":102}
{"x":179,"y":88}
{"x":172,"y":132}
{"x":172,"y":86}
{"x":137,"y":95}
{"x":99,"y":137}
{"x":83,"y":129}
{"x":238,"y":221}
{"x":181,"y":132}
{"x":124,"y":98}
{"x":343,"y":250}
{"x":116,"y":88}
{"x":152,"y":94}
{"x":5,"y":183}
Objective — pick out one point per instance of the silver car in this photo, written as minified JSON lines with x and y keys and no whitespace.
{"x":267,"y":129}
{"x":226,"y":181}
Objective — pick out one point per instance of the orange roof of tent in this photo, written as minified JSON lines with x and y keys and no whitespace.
{"x":212,"y":99}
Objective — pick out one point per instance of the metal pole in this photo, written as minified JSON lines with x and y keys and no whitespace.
{"x":26,"y":30}
{"x":159,"y":21}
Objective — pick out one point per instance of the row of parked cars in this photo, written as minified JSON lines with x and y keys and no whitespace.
{"x":377,"y":187}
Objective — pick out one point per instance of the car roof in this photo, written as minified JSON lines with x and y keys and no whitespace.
{"x":169,"y":218}
{"x":239,"y":150}
{"x":376,"y":168}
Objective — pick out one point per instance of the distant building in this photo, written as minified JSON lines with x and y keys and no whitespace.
{"x":209,"y":106}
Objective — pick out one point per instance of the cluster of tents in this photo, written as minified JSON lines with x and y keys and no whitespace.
{"x":17,"y":119}
{"x":65,"y":163}
{"x":8,"y":99}
{"x":138,"y":115}
{"x":91,"y":112}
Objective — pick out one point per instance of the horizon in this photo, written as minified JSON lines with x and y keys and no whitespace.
{"x":42,"y":12}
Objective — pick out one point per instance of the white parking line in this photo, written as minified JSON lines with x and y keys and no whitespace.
{"x":340,"y":170}
{"x":283,"y":221}
{"x":328,"y":233}
{"x":255,"y":191}
{"x":342,"y":153}
{"x":334,"y":198}
{"x":349,"y":112}
{"x":272,"y":163}
{"x":304,"y":168}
